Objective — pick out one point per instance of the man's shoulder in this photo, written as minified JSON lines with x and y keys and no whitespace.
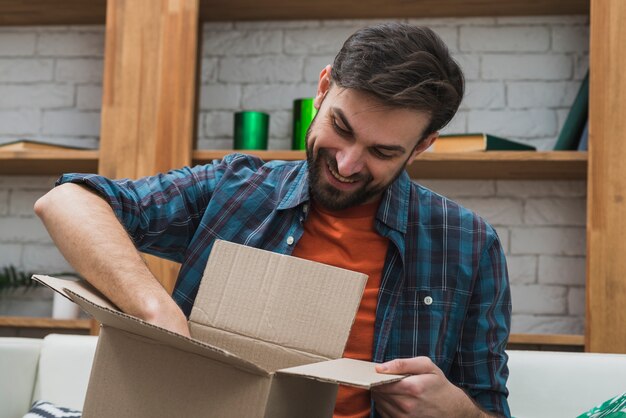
{"x":239,"y":162}
{"x":434,"y":207}
{"x":237,"y":169}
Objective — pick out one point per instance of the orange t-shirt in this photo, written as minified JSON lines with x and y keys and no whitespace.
{"x":347,"y":239}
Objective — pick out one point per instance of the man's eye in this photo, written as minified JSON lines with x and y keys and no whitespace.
{"x":341,"y":131}
{"x":380,"y":154}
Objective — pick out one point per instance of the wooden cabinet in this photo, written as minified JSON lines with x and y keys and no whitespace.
{"x":176,"y":36}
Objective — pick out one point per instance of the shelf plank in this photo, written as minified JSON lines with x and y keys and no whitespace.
{"x":81,"y":12}
{"x":548,"y":339}
{"x":511,"y":165}
{"x":606,"y":226}
{"x":48,"y":323}
{"x":217,"y":10}
{"x":520,"y":165}
{"x":506,"y":165}
{"x":206,"y":156}
{"x":140,"y":116}
{"x":36,"y":162}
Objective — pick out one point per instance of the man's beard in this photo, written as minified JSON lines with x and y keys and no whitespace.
{"x":330,"y":197}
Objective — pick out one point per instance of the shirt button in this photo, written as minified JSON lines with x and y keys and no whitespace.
{"x":289,"y":240}
{"x":428,"y":300}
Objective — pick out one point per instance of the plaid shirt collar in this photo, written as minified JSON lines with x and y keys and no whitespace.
{"x":393,"y":210}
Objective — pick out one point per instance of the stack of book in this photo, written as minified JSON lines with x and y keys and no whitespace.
{"x":476,"y":142}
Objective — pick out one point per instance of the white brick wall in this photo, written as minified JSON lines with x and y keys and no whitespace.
{"x":522,"y":75}
{"x":25,"y":244}
{"x":47,"y":77}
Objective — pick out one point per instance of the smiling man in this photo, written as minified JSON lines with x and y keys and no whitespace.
{"x":437,"y":301}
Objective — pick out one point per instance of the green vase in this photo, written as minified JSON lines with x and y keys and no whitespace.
{"x":251,"y":130}
{"x":303,"y":114}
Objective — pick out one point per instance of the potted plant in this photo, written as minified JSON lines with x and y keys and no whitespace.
{"x":12,"y":279}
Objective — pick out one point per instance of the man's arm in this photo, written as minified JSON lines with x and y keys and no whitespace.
{"x":87,"y":232}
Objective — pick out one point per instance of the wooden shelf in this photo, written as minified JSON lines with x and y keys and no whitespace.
{"x":548,"y":339}
{"x":519,"y":165}
{"x":47,"y":323}
{"x":506,"y":165}
{"x":81,"y":12}
{"x":34,"y":162}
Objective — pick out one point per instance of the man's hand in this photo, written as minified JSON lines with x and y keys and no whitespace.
{"x":427,"y":393}
{"x":165,"y":315}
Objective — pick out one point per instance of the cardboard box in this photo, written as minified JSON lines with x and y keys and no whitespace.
{"x":268,"y":334}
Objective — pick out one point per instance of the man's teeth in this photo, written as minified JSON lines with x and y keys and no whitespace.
{"x":338,"y":176}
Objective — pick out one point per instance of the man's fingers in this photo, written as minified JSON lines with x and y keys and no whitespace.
{"x":393,"y":406}
{"x":416,"y":365}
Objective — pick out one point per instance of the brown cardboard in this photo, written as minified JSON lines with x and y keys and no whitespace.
{"x":257,"y":317}
{"x":344,"y":371}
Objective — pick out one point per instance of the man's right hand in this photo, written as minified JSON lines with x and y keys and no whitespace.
{"x":167,"y":315}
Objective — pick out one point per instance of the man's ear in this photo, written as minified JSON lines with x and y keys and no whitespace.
{"x":323,"y":85}
{"x":422,"y":146}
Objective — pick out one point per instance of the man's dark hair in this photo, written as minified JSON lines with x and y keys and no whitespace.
{"x":404,"y":66}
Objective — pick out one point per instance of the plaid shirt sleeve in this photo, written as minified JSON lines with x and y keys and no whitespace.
{"x":161,"y":213}
{"x":480,"y":363}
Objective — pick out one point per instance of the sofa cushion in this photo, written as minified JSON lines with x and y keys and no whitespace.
{"x":64,"y":369}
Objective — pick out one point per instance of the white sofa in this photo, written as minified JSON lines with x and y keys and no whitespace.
{"x":557,"y":384}
{"x":54,"y":369}
{"x":541,"y":383}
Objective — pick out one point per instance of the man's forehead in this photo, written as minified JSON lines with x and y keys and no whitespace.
{"x":363,"y":111}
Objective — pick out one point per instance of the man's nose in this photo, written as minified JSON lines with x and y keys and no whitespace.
{"x":349,"y":161}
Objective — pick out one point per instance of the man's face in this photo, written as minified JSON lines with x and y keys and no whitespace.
{"x":356,"y":147}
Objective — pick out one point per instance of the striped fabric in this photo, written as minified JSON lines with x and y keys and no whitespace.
{"x":444,"y":291}
{"x":43,"y":409}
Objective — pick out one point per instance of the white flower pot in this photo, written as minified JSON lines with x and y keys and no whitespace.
{"x":63,"y":308}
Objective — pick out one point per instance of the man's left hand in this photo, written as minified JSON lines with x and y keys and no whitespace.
{"x":427,"y":393}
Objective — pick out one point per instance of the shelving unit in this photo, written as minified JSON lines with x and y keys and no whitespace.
{"x":133,"y":27}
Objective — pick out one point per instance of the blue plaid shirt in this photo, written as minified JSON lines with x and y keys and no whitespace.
{"x":444,"y":291}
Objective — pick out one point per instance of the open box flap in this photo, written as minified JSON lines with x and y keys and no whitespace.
{"x":94,"y":303}
{"x":344,"y":371}
{"x":280,"y":299}
{"x":79,"y":287}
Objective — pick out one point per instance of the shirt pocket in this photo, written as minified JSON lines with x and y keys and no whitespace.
{"x":434,"y":319}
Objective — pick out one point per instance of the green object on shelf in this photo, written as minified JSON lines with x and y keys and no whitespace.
{"x":303,"y":113}
{"x":251,"y":130}
{"x":576,"y":118}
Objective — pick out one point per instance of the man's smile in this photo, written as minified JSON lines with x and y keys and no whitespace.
{"x":339,"y":176}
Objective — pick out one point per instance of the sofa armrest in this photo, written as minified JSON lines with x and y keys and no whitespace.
{"x":18,"y":369}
